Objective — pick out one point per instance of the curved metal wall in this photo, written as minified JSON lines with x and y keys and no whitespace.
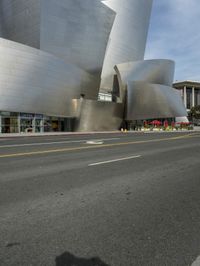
{"x":128,"y":36}
{"x":147,"y":86}
{"x":99,"y":116}
{"x":37,"y":82}
{"x":76,"y":31}
{"x":159,"y":71}
{"x":147,"y":100}
{"x":20,"y":21}
{"x":75,"y":40}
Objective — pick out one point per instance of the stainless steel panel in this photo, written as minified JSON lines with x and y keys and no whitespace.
{"x":74,"y":40}
{"x":76,"y":31}
{"x":158,"y":71}
{"x":20,"y":21}
{"x":147,"y":101}
{"x":37,"y":82}
{"x":99,"y":116}
{"x":128,"y":36}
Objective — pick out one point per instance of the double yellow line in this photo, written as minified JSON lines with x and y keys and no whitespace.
{"x":97,"y":146}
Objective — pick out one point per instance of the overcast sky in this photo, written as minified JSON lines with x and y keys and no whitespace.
{"x":175,"y":34}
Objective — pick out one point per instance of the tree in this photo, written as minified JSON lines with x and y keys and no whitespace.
{"x":195,"y":112}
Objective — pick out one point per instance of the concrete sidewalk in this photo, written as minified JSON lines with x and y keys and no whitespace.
{"x":12,"y":135}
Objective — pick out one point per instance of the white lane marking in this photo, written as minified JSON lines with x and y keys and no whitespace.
{"x":94,"y":142}
{"x":55,"y":142}
{"x":115,"y":160}
{"x":104,"y":139}
{"x":196,"y":262}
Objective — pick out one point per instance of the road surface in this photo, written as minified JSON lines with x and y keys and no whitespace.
{"x":100,"y":200}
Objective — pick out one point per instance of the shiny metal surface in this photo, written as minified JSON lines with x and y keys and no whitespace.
{"x":128,"y":36}
{"x":20,"y":21}
{"x":147,"y":86}
{"x":76,"y":31}
{"x":147,"y":101}
{"x":78,"y":42}
{"x":37,"y":82}
{"x":99,"y":116}
{"x":158,"y":71}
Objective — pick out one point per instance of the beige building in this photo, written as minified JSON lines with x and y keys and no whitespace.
{"x":190,"y":92}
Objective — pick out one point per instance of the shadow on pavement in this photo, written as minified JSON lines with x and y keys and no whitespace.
{"x":68,"y":259}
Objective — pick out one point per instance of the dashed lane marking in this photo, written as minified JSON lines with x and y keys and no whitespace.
{"x":116,"y":160}
{"x":55,"y":142}
{"x":93,"y":147}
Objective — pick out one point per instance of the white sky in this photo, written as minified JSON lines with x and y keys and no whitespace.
{"x":175,"y":34}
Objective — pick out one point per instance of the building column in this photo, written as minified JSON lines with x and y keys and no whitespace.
{"x":185,"y":96}
{"x":42,"y":125}
{"x":19,"y":123}
{"x":33,"y":125}
{"x":193,"y":97}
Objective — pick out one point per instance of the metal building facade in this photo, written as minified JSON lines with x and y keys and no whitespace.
{"x":57,"y":55}
{"x":128,"y":37}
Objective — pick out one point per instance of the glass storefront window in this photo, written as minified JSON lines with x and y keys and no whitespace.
{"x":47,"y":124}
{"x":26,"y":122}
{"x":9,"y":122}
{"x":55,"y":125}
{"x":26,"y":125}
{"x":5,"y":124}
{"x":37,"y":125}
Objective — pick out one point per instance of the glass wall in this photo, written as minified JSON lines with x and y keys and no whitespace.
{"x":39,"y":123}
{"x":105,"y":97}
{"x":26,"y":122}
{"x":31,"y":123}
{"x":54,"y":124}
{"x":9,"y":122}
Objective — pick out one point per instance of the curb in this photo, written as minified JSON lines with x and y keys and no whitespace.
{"x":22,"y":135}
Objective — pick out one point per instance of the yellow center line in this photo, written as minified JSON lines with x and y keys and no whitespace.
{"x":96,"y":146}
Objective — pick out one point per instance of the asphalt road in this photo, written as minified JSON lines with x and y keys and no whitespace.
{"x":100,"y":200}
